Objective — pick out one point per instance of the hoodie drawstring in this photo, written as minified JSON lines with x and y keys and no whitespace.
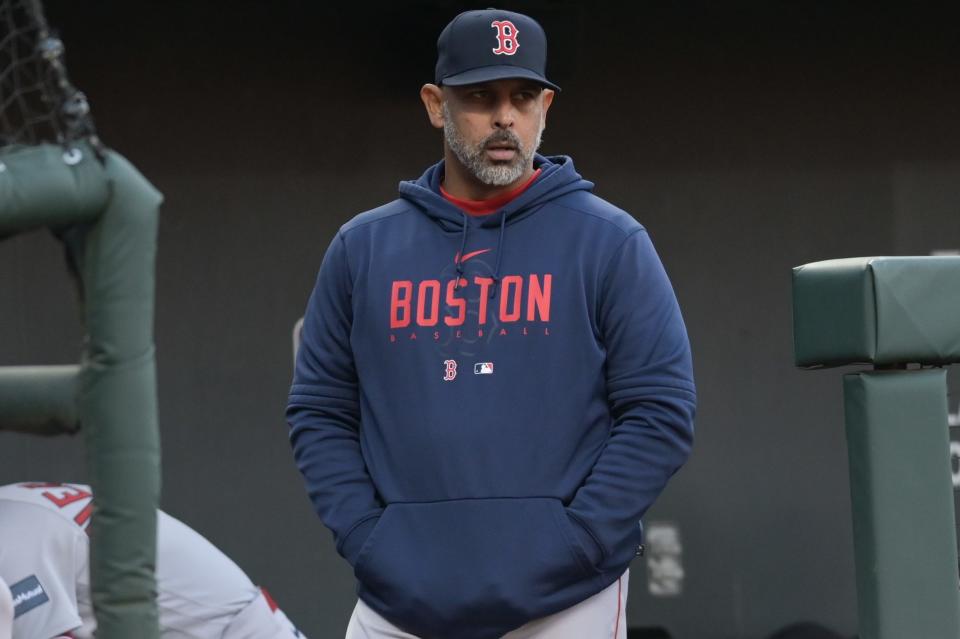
{"x":496,"y":271}
{"x":463,"y":245}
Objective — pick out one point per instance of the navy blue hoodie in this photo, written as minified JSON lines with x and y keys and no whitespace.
{"x":484,"y":407}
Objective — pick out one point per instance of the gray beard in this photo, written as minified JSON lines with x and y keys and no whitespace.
{"x":487,"y":171}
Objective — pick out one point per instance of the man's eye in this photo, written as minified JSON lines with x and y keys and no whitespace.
{"x":478,"y":95}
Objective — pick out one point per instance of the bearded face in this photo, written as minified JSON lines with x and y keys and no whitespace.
{"x":498,"y":159}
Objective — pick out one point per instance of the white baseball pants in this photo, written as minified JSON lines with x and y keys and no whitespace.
{"x":602,"y":616}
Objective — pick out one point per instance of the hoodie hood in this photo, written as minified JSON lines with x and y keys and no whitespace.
{"x":557,"y":177}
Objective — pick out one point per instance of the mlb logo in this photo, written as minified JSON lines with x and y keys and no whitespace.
{"x":483,"y":368}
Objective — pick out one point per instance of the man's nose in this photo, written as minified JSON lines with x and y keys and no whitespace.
{"x":504,"y":115}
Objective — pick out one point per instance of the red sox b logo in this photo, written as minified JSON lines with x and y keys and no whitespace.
{"x":450,"y":370}
{"x":506,"y":37}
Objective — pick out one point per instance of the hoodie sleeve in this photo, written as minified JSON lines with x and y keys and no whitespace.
{"x":651,"y":395}
{"x":323,"y":411}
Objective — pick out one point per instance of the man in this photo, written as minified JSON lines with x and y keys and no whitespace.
{"x":201,"y":593}
{"x":494,"y":382}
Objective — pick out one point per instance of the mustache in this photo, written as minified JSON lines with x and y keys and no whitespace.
{"x":501,"y":137}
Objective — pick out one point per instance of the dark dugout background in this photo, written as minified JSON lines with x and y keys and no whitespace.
{"x":749,"y":137}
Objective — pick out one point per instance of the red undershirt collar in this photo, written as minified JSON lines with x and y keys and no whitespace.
{"x":492,"y":205}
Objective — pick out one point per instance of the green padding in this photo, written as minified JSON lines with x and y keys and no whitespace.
{"x":902,"y":498}
{"x":39,"y":399}
{"x":38,"y":188}
{"x":107,"y":216}
{"x":880,"y":310}
{"x":117,"y":402}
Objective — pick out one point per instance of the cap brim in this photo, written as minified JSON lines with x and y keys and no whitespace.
{"x":499,"y":72}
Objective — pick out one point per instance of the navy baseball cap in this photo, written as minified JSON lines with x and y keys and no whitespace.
{"x":480,"y":46}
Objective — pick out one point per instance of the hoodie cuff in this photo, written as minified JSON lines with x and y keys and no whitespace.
{"x":353,"y":543}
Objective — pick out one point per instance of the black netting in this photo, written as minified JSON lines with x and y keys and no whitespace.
{"x":37,"y":102}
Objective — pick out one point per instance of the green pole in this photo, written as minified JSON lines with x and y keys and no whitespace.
{"x":39,"y":399}
{"x":902,"y":501}
{"x":118,"y":405}
{"x":898,"y":314}
{"x":38,"y":189}
{"x":107,"y":216}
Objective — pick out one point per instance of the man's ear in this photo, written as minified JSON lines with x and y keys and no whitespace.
{"x":432,"y":97}
{"x":547,"y":101}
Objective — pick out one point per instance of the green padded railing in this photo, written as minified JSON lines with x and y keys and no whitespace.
{"x":877,"y":310}
{"x":39,"y":399}
{"x":892,"y":312}
{"x":106,"y":214}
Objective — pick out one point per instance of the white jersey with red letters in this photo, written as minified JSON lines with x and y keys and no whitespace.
{"x":201,"y":593}
{"x":6,"y":611}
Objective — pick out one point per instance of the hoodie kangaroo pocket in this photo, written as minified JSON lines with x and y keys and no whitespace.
{"x":478,"y":563}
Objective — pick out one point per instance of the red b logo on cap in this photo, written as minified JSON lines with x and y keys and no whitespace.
{"x":506,"y":37}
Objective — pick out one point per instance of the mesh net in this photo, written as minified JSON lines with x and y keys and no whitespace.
{"x":37,"y":102}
